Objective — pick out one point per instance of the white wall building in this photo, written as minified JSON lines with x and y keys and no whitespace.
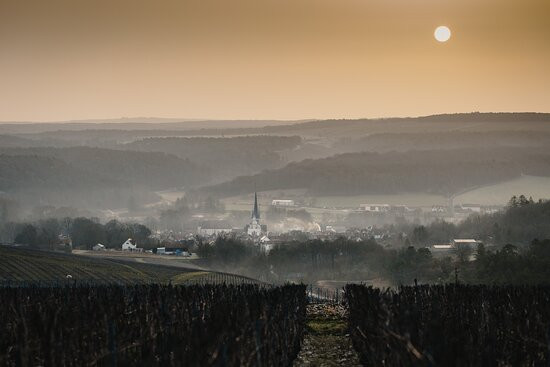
{"x":129,"y":245}
{"x":375,"y":208}
{"x":281,"y":202}
{"x":207,"y":231}
{"x":465,"y":242}
{"x":99,"y":247}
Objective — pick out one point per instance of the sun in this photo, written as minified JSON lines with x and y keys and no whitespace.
{"x":442,"y":33}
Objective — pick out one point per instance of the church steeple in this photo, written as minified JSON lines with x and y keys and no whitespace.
{"x":256,"y":210}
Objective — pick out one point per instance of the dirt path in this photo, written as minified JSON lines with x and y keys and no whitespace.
{"x":326,"y":342}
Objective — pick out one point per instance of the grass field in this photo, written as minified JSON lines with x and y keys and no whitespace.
{"x":500,"y":194}
{"x":410,"y":199}
{"x":352,"y":202}
{"x":497,"y":194}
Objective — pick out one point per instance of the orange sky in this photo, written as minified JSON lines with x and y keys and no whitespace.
{"x":282,"y":59}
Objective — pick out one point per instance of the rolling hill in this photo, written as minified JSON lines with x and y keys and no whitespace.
{"x":444,"y":172}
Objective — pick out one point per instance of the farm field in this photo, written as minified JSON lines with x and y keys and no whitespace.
{"x":29,"y":265}
{"x":410,"y":199}
{"x":22,"y":266}
{"x":499,"y":194}
{"x":325,"y":203}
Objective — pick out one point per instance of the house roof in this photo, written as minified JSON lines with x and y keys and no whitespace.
{"x":215,"y":224}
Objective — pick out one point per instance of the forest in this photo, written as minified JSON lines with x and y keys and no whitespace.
{"x":444,"y":172}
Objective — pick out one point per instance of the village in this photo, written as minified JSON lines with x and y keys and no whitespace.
{"x":183,"y":244}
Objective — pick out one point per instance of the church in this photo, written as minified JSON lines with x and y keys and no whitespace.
{"x":255,"y":229}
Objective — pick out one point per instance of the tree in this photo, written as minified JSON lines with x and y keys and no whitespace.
{"x":49,"y":232}
{"x":28,"y":235}
{"x":463,"y":252}
{"x":86,"y":233}
{"x":420,"y":235}
{"x":116,"y":233}
{"x":140,"y":233}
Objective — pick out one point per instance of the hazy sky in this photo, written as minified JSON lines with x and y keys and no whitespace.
{"x":283,"y":59}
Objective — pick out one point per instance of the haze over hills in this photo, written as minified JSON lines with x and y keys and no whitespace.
{"x":440,"y":154}
{"x":139,"y":123}
{"x":446,"y":172}
{"x":92,"y":177}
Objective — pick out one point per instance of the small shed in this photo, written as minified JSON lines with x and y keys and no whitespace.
{"x":99,"y":247}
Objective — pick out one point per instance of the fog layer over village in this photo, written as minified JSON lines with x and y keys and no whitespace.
{"x":385,"y":201}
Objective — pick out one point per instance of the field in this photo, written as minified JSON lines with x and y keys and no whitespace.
{"x":409,"y":199}
{"x":21,"y":265}
{"x":320,"y":204}
{"x":499,"y":194}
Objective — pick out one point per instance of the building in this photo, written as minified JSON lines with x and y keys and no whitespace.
{"x":465,"y":242}
{"x":281,"y":202}
{"x":99,"y":247}
{"x":472,"y":208}
{"x":265,"y":244}
{"x":255,"y":229}
{"x":214,"y":228}
{"x":443,"y":248}
{"x":375,"y":208}
{"x":129,"y":245}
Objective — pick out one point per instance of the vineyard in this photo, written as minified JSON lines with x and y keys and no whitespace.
{"x":22,"y":267}
{"x":450,"y":325}
{"x":151,"y":325}
{"x":120,"y":313}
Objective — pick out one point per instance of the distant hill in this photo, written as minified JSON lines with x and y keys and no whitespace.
{"x":443,"y":172}
{"x":10,"y":141}
{"x":139,"y":123}
{"x":92,"y":177}
{"x":435,"y":123}
{"x":402,"y":142}
{"x":148,"y":169}
{"x":224,"y":157}
{"x":44,"y":172}
{"x":98,"y":134}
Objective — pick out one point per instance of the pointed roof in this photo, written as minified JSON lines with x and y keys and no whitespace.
{"x":256,"y":210}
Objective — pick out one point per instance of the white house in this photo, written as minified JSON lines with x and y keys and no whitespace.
{"x":376,"y":208}
{"x":265,"y":244}
{"x":474,"y":208}
{"x":282,"y":202}
{"x":213,"y":228}
{"x":99,"y":247}
{"x":129,"y":245}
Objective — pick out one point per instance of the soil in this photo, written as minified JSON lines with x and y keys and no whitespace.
{"x":326,"y":342}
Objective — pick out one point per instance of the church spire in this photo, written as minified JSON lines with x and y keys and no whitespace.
{"x":256,"y":210}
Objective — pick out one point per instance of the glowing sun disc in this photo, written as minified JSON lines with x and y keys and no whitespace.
{"x":442,"y":34}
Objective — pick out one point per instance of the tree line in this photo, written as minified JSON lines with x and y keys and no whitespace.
{"x":82,"y":232}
